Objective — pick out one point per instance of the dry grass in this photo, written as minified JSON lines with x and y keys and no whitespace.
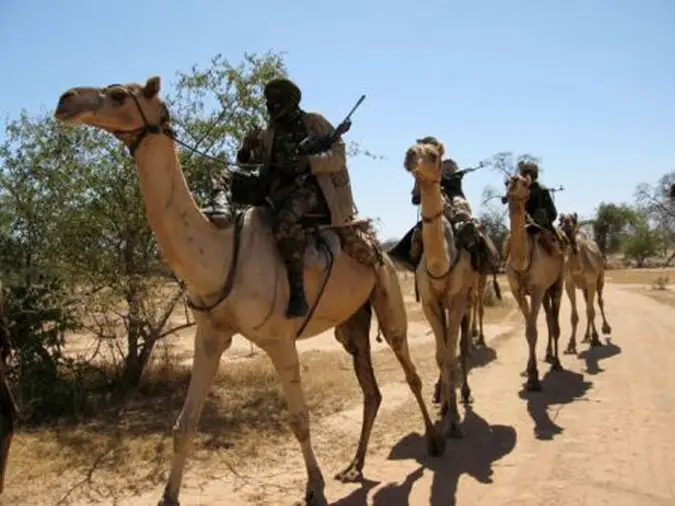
{"x":637,"y":276}
{"x":666,"y":297}
{"x":126,"y":447}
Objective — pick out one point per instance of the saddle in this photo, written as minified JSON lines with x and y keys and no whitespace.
{"x":553,"y":241}
{"x":356,"y":238}
{"x":408,"y":251}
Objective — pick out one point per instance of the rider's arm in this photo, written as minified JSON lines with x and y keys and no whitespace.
{"x":331,"y":160}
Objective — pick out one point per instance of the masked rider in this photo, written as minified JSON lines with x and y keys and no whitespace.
{"x":297,"y":185}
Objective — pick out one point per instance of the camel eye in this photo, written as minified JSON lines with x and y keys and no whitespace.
{"x":118,"y":96}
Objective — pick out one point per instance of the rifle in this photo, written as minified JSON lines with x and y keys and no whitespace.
{"x":311,"y":145}
{"x":553,"y":190}
{"x":468,"y":170}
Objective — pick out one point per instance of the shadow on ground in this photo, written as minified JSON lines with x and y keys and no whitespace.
{"x":474,"y":455}
{"x":480,"y":356}
{"x":594,"y":355}
{"x":558,"y":388}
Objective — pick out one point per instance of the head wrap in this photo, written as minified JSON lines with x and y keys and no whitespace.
{"x":530,"y":168}
{"x":283,"y":88}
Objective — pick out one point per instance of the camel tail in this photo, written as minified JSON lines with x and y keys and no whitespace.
{"x":495,"y":285}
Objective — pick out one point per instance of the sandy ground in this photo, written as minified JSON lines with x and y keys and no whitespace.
{"x":599,"y":434}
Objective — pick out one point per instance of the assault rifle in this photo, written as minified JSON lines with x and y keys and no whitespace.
{"x":551,"y":190}
{"x":461,"y":173}
{"x":313,"y":145}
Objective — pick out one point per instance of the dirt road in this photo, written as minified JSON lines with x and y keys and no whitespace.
{"x":601,"y":433}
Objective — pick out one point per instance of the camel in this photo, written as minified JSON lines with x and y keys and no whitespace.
{"x":535,"y":271}
{"x":444,"y":278}
{"x":585,"y":271}
{"x":248,"y":296}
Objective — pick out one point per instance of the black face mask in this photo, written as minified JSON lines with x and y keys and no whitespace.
{"x":280,"y":109}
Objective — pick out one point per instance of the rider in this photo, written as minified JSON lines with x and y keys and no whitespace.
{"x":297,"y":185}
{"x":540,"y":205}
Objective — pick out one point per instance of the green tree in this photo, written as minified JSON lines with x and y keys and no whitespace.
{"x":659,"y":208}
{"x":610,"y":223}
{"x":642,"y":241}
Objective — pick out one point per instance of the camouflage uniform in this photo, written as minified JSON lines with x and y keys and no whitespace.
{"x":297,"y":185}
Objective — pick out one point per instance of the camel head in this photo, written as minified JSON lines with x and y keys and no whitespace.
{"x":121,"y":109}
{"x":517,"y":189}
{"x":569,"y":223}
{"x":423,"y":160}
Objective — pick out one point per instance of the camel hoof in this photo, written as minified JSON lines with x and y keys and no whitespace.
{"x":454,"y":431}
{"x":435,"y":444}
{"x":606,"y":329}
{"x":312,"y":499}
{"x":167,"y":502}
{"x":443,"y":410}
{"x":350,"y":475}
{"x":467,"y":398}
{"x":556,"y":365}
{"x":586,"y":339}
{"x":474,"y":333}
{"x":549,"y":359}
{"x":533,"y":384}
{"x":481,"y":342}
{"x":570,"y":350}
{"x":595,"y":343}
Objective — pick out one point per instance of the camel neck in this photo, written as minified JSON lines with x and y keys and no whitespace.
{"x":190,"y":244}
{"x":433,"y":233}
{"x":518,"y":240}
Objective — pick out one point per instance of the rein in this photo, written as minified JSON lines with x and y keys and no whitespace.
{"x":165,"y":129}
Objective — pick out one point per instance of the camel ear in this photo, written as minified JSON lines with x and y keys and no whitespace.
{"x":152,"y":87}
{"x":441,"y":149}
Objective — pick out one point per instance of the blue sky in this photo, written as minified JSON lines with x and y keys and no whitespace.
{"x":586,"y":85}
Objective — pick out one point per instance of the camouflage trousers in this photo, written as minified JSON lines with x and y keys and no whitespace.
{"x":287,"y":228}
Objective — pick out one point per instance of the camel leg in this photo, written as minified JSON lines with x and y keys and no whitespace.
{"x":553,"y":321}
{"x":209,"y":346}
{"x":482,"y":281}
{"x":587,"y":334}
{"x":574,"y":317}
{"x":353,"y":334}
{"x":387,"y":300}
{"x":473,"y":310}
{"x":549,"y":327}
{"x":284,"y":357}
{"x":606,"y":328}
{"x":590,"y":315}
{"x":435,"y":315}
{"x":533,"y":384}
{"x":464,"y":343}
{"x":451,"y":426}
{"x":523,"y":305}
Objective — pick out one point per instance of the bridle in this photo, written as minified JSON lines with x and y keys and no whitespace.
{"x":147,"y":128}
{"x":165,"y":129}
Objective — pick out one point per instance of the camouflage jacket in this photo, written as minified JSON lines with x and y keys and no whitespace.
{"x":328,"y":168}
{"x":541,"y":201}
